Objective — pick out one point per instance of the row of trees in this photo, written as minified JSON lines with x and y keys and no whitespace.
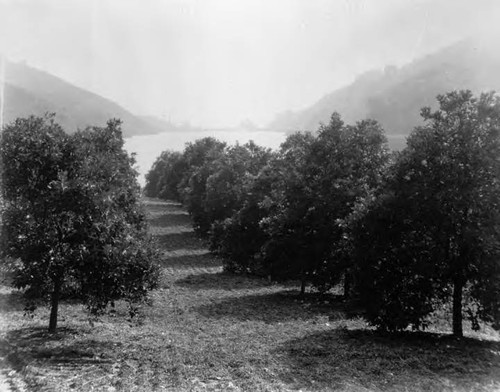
{"x":276,"y":213}
{"x":72,"y":223}
{"x":406,"y":232}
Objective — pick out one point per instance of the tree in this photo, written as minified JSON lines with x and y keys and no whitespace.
{"x":433,"y":230}
{"x":199,"y":157}
{"x":232,"y":174}
{"x":165,"y":175}
{"x":153,"y":176}
{"x":71,"y":216}
{"x":346,"y":163}
{"x":323,"y":177}
{"x":285,"y":254}
{"x":243,"y":181}
{"x":392,"y":268}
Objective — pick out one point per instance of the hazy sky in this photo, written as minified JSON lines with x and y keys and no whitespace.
{"x":218,"y":62}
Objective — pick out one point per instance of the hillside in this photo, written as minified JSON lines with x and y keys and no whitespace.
{"x":394,"y":96}
{"x":31,"y":91}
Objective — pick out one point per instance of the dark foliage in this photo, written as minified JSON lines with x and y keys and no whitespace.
{"x":71,"y":216}
{"x":165,"y":176}
{"x":322,"y":177}
{"x":432,"y":233}
{"x":407,"y":232}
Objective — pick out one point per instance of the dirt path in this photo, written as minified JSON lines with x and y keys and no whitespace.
{"x":4,"y":384}
{"x":4,"y":370}
{"x":10,"y":380}
{"x":183,"y":253}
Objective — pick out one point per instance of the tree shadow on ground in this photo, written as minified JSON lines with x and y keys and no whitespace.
{"x":67,"y":348}
{"x":222,"y":281}
{"x":171,"y":220}
{"x":280,"y":306}
{"x":11,"y":302}
{"x":189,"y":261}
{"x":163,"y":206}
{"x":175,"y":241}
{"x":360,"y":359}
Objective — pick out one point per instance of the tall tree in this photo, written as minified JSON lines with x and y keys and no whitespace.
{"x":232,"y":174}
{"x":165,"y":176}
{"x":323,"y":177}
{"x":71,"y":215}
{"x":234,"y":196}
{"x":346,"y":163}
{"x":285,"y":252}
{"x":434,"y":231}
{"x":199,"y":157}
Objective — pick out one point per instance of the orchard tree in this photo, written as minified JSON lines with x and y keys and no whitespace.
{"x":71,"y":217}
{"x":239,"y":238}
{"x":172,"y":176}
{"x":165,"y":175}
{"x":322,"y":178}
{"x":232,"y":175}
{"x":153,"y":176}
{"x":394,"y":272}
{"x":199,"y":157}
{"x":345,"y":164}
{"x":285,"y":252}
{"x":433,"y":230}
{"x":37,"y":221}
{"x":116,"y":223}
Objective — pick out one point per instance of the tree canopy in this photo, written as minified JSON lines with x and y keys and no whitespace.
{"x":433,"y":230}
{"x":321,"y":178}
{"x":71,"y":216}
{"x":409,"y":232}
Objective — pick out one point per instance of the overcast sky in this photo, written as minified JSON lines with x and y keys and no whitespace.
{"x":218,"y":62}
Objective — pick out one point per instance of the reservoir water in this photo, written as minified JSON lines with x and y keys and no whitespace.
{"x":148,"y":147}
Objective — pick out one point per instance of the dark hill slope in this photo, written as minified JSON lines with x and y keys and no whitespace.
{"x":31,"y":91}
{"x":394,"y":96}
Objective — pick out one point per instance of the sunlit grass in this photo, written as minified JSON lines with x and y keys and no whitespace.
{"x":208,"y":330}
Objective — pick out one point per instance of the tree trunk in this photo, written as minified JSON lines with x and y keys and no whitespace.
{"x":347,"y":285}
{"x":458,"y":286}
{"x":54,"y":302}
{"x":303,"y":286}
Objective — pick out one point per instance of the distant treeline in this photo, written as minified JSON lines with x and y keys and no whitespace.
{"x":406,"y":232}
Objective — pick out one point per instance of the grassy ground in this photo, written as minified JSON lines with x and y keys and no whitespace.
{"x":209,"y":331}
